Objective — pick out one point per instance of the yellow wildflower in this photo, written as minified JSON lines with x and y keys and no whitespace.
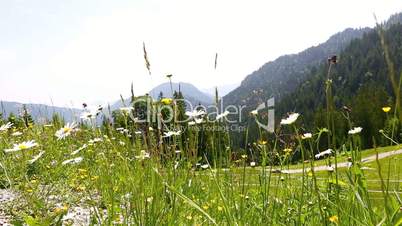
{"x":334,"y":219}
{"x":262,"y":142}
{"x":166,"y":101}
{"x":287,"y":151}
{"x":61,"y":209}
{"x":386,"y":109}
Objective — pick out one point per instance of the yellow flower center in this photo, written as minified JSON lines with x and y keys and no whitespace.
{"x":66,"y":129}
{"x":22,"y":146}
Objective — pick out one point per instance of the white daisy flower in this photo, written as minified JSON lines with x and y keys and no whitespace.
{"x":290,"y":119}
{"x":355,"y":130}
{"x":79,"y":149}
{"x":122,"y":130}
{"x":72,"y":161}
{"x":224,"y":114}
{"x":324,"y":153}
{"x":172,"y":133}
{"x":137,"y":132}
{"x":143,"y":155}
{"x":122,"y":143}
{"x":22,"y":146}
{"x":191,"y":123}
{"x":205,"y":166}
{"x":195,"y":113}
{"x":252,"y":164}
{"x":6,"y":126}
{"x":16,"y":134}
{"x":65,"y":131}
{"x":254,"y":112}
{"x":35,"y":158}
{"x":91,"y":113}
{"x":177,"y":133}
{"x":95,"y":140}
{"x":307,"y":136}
{"x":86,"y":115}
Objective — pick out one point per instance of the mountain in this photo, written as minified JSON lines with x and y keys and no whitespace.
{"x":222,"y":90}
{"x":39,"y":112}
{"x":191,"y":93}
{"x":360,"y":81}
{"x":284,"y":75}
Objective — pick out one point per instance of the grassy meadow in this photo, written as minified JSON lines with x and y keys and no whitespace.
{"x":123,"y":177}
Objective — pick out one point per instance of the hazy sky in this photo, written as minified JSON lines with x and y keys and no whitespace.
{"x":76,"y":51}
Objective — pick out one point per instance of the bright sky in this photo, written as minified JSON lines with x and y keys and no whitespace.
{"x":91,"y":50}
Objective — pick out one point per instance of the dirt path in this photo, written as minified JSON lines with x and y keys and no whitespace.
{"x":343,"y":164}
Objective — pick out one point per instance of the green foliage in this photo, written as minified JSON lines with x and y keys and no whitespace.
{"x":57,"y":121}
{"x":119,"y":120}
{"x":26,"y":117}
{"x":16,"y":121}
{"x":168,"y":188}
